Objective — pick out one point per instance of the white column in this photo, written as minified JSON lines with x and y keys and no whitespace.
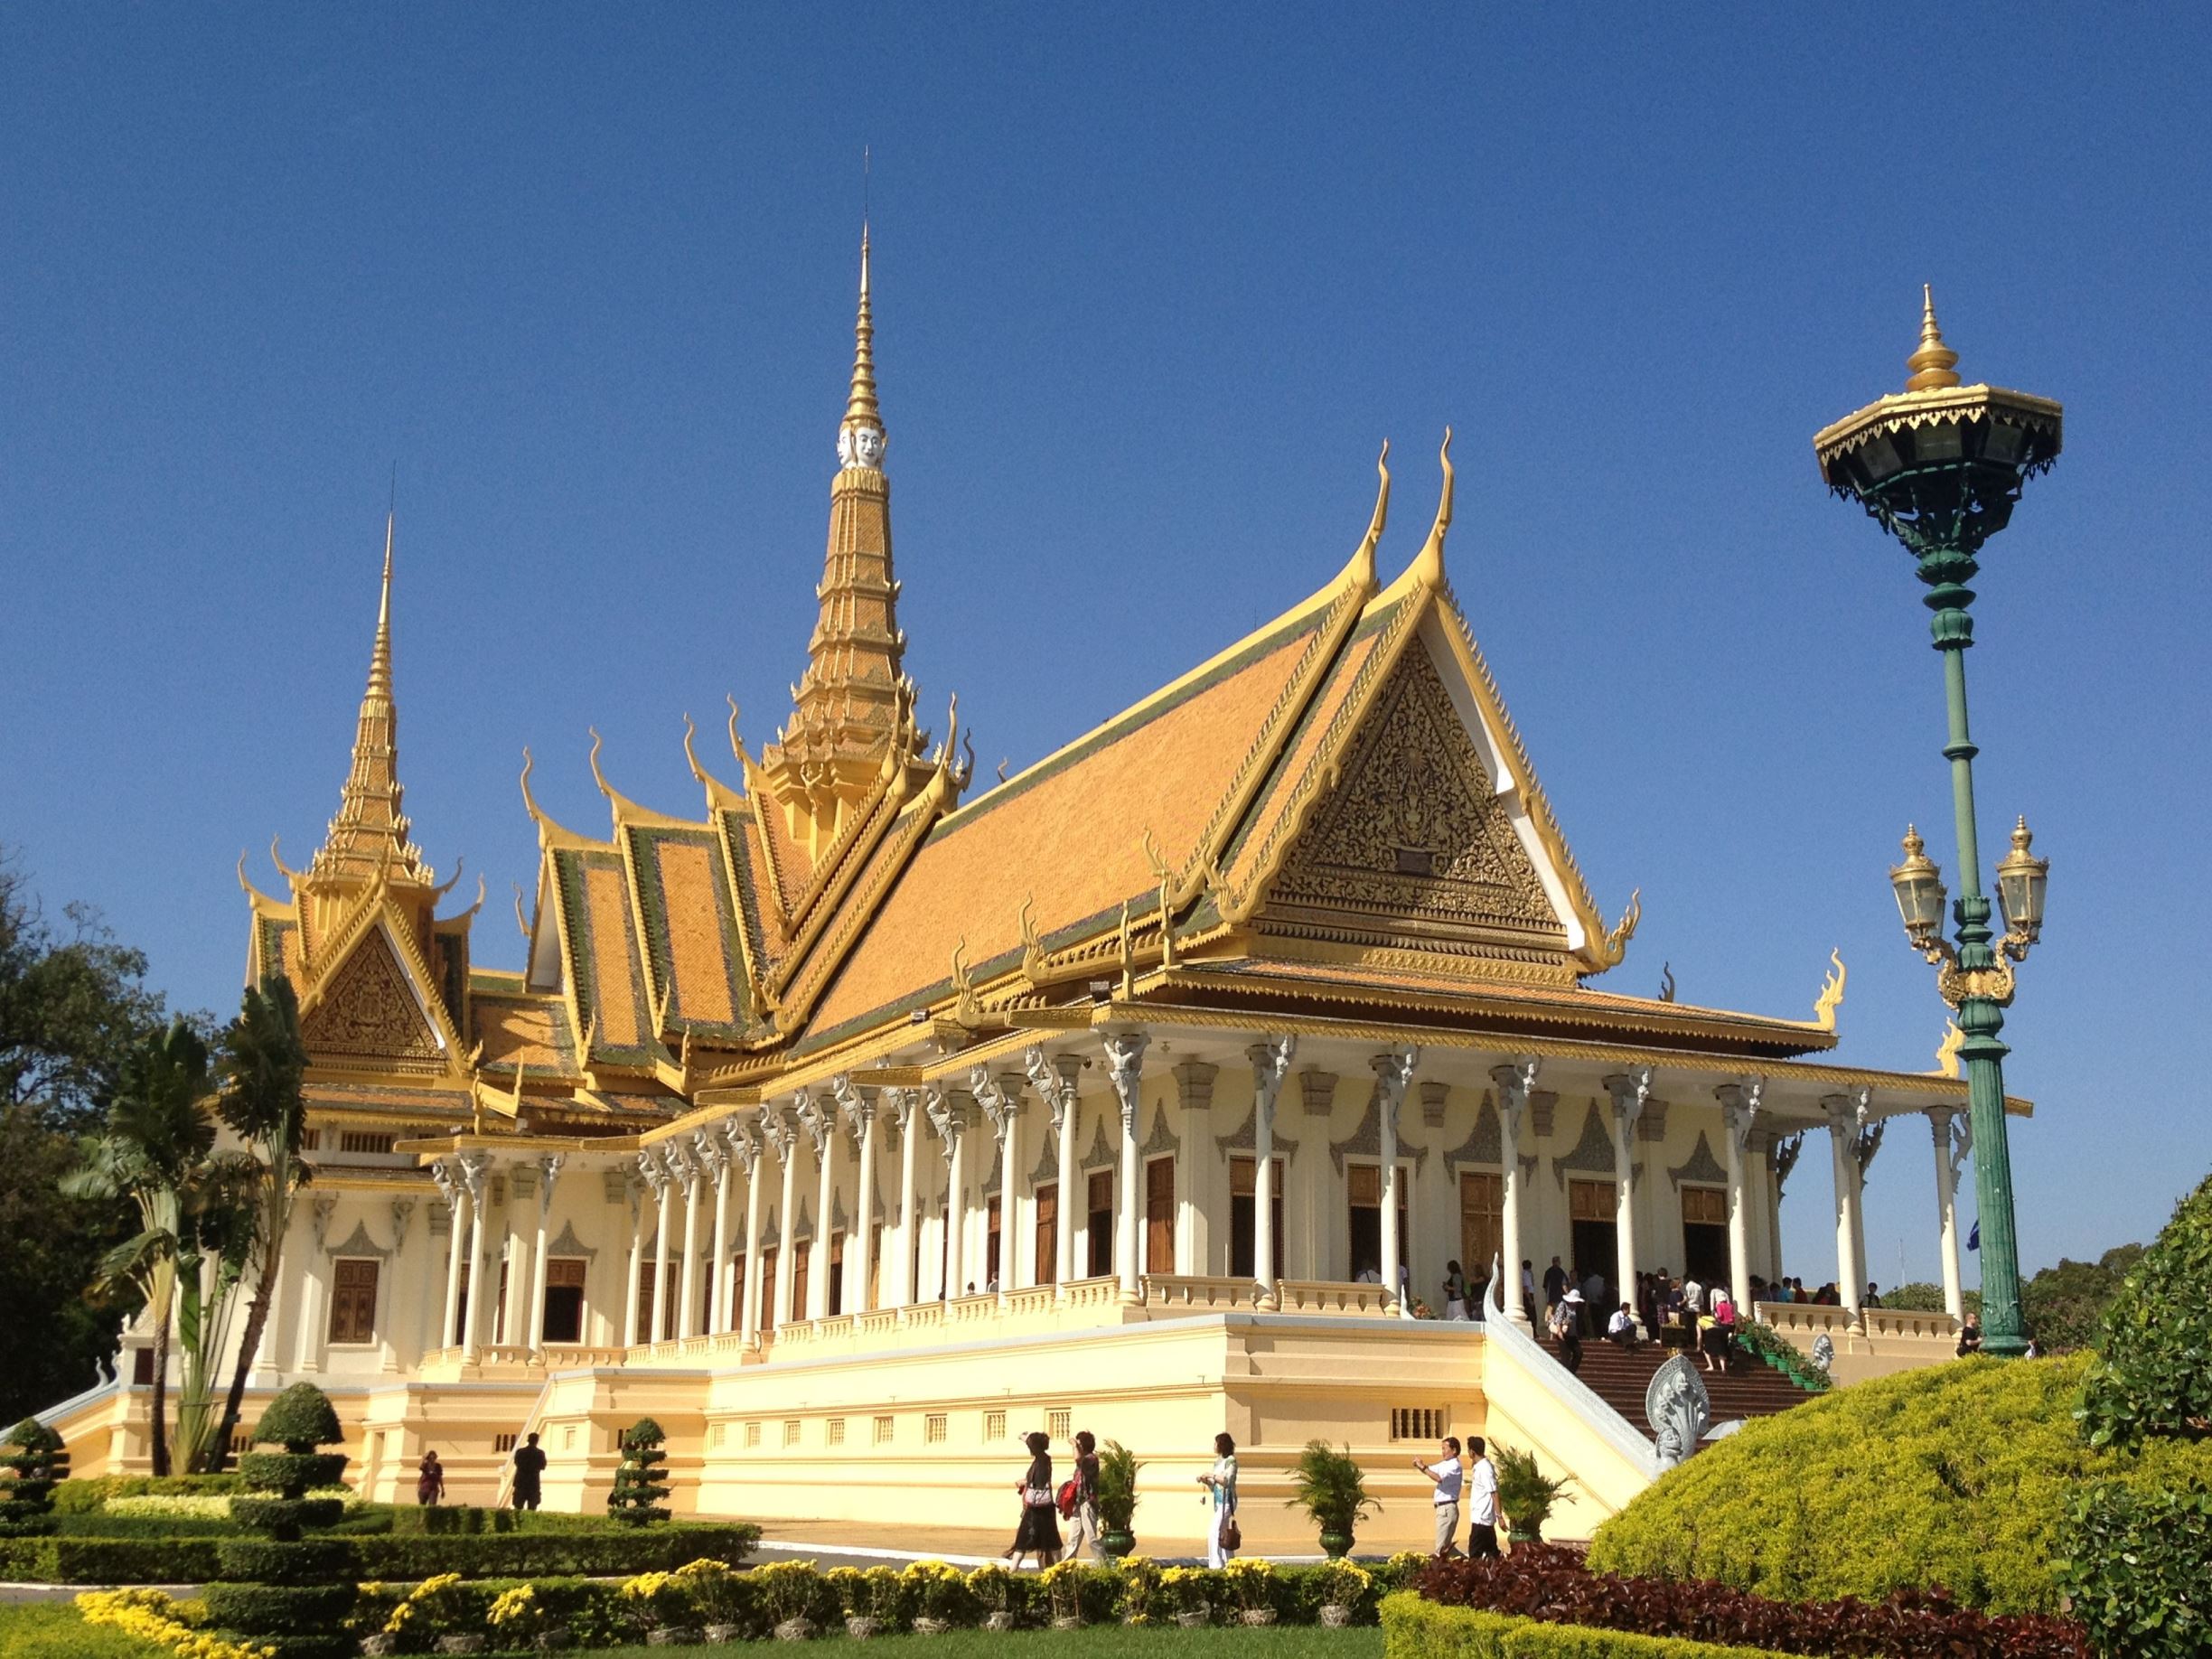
{"x":1001,"y":1102}
{"x":549,"y":1172}
{"x":859,"y":1114}
{"x":1057,"y":1089}
{"x":712,"y":1152}
{"x":900,"y":1287}
{"x":1393,"y":1070}
{"x":635,"y":1191}
{"x":784,"y":1136}
{"x":475,"y":1172}
{"x":1741,"y":1111}
{"x":449,"y":1183}
{"x":670,"y":1172}
{"x":521,"y":1184}
{"x":746,"y":1148}
{"x":948,"y":1118}
{"x":1947,"y":1159}
{"x":1514,"y":1083}
{"x":1843,"y":1122}
{"x":819,"y":1118}
{"x":1270,"y":1062}
{"x":1631,"y":1092}
{"x":1125,"y":1060}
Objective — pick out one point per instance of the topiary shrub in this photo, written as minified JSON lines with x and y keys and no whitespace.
{"x":2153,"y":1372}
{"x":284,"y":1593}
{"x":35,"y":1462}
{"x":2140,"y":1575}
{"x":641,"y":1483}
{"x":1956,"y":1477}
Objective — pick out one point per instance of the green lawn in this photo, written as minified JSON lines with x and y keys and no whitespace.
{"x":52,"y":1630}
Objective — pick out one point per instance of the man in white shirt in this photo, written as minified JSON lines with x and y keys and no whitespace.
{"x":1621,"y":1329}
{"x":1482,"y":1501}
{"x":1694,"y":1297}
{"x":1446,"y":1476}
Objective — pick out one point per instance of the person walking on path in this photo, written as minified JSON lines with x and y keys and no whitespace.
{"x":1446,"y":1476}
{"x":528,"y":1467}
{"x":429,"y":1480}
{"x":1082,"y":1511}
{"x":1482,"y":1501}
{"x":1039,"y":1532}
{"x":1223,"y":1481}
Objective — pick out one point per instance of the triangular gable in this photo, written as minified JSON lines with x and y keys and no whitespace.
{"x":375,"y":1010}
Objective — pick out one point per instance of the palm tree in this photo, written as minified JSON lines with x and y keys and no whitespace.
{"x":157,"y":1131}
{"x":220,"y":1212}
{"x":264,"y":1063}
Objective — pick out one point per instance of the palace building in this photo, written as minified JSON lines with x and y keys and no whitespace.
{"x":861,"y":1112}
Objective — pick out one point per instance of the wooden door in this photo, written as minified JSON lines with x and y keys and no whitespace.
{"x":1160,"y":1215}
{"x":1482,"y":1225}
{"x":1101,"y":1205}
{"x":1048,"y":1233}
{"x":353,"y":1292}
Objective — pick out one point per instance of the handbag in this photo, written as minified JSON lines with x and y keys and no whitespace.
{"x":1231,"y":1535}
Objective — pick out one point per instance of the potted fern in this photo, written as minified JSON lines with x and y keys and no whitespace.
{"x":1525,"y":1493}
{"x":1328,"y":1484}
{"x":1117,"y":1498}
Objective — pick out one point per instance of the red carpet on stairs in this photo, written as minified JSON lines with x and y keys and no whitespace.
{"x":1751,"y":1388}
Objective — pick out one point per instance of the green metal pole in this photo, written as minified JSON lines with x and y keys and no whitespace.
{"x":1946,"y":571}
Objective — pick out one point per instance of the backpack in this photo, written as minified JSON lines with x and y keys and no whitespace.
{"x":1067,"y":1499}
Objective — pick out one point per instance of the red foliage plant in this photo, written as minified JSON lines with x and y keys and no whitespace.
{"x":1538,"y":1581}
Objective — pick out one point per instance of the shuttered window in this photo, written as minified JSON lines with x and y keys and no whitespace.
{"x":353,"y":1296}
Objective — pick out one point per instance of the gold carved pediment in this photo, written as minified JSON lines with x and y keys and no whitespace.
{"x":1413,"y":841}
{"x":368,"y":1010}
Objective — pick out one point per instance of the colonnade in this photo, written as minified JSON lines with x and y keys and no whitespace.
{"x":715,"y":1180}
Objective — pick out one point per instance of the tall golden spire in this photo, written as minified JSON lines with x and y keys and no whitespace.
{"x":853,"y":706}
{"x":1933,"y":364}
{"x":369,"y":832}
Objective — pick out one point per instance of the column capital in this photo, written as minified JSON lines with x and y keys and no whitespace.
{"x":1125,"y":1053}
{"x":1393,"y":1070}
{"x":1847,"y":1113}
{"x":655,"y":1172}
{"x":1055,"y":1088}
{"x":1631,"y":1092}
{"x":743,"y":1140}
{"x":947,"y":1115}
{"x":447,"y":1175}
{"x":820,"y":1121}
{"x":999,"y":1105}
{"x":1742,"y":1105}
{"x":550,"y":1167}
{"x":900,"y":1103}
{"x":857,"y":1105}
{"x":1270,"y":1059}
{"x":475,"y":1168}
{"x":678,"y":1163}
{"x":776,"y":1129}
{"x":1516,"y":1085}
{"x":709,"y":1153}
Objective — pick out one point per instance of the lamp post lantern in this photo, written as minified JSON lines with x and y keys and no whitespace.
{"x":1939,"y":467}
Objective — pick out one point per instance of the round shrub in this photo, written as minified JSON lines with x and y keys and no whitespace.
{"x":2153,"y":1373}
{"x":1955,"y":1478}
{"x":299,"y":1420}
{"x":35,"y":1462}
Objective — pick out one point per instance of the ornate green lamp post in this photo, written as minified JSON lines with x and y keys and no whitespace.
{"x":1939,"y":467}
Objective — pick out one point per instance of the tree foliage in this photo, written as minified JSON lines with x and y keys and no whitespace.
{"x":2153,"y":1373}
{"x":640,"y":1480}
{"x":73,"y":1003}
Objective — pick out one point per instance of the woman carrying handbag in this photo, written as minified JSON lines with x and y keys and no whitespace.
{"x":1039,"y":1532}
{"x":1223,"y":1537}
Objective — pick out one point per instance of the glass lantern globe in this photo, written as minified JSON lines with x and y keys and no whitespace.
{"x":1919,"y":889}
{"x":2020,"y":879}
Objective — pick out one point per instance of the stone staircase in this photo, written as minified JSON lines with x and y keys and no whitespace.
{"x":1750,"y":1388}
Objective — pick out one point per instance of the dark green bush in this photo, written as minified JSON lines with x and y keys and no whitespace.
{"x":618,"y":1551}
{"x":2139,"y":1570}
{"x":299,"y":1420}
{"x":132,"y":1561}
{"x":641,"y":1483}
{"x":1956,"y":1477}
{"x":286,"y":1517}
{"x":1417,"y":1629}
{"x":2153,"y":1376}
{"x":440,"y":1519}
{"x":146,"y":1526}
{"x":311,"y":1560}
{"x":278,"y":1609}
{"x":33,"y":1463}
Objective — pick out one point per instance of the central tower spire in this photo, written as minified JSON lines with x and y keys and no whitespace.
{"x":853,"y":709}
{"x":370,"y":831}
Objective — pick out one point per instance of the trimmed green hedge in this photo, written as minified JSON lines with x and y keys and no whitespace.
{"x":443,"y":1520}
{"x":85,"y":1495}
{"x":1956,"y":1475}
{"x":107,"y":1561}
{"x":1417,"y":1629}
{"x":278,"y":1609}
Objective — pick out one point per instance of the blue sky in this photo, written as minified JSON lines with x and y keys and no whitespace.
{"x":1151,"y":288}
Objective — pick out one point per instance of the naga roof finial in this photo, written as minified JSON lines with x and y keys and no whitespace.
{"x":1934,"y":364}
{"x":1428,"y":567}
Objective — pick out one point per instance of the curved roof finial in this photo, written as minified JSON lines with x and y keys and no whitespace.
{"x":1934,"y":364}
{"x":1363,"y":560}
{"x":1428,"y":567}
{"x":529,"y":799}
{"x":599,"y":777}
{"x":737,"y":743}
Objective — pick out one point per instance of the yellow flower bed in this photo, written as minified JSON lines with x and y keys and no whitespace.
{"x":151,"y":1616}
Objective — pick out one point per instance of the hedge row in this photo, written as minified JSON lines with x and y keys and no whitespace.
{"x":1414,"y":1628}
{"x":64,"y":1560}
{"x":88,"y":1495}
